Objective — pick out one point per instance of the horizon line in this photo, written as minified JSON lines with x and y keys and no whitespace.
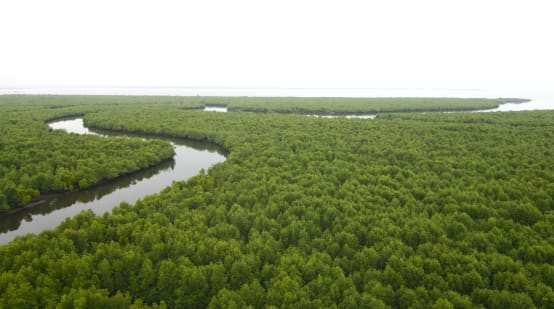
{"x":230,"y":87}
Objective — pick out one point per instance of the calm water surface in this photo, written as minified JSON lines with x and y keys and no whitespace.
{"x":221,"y":109}
{"x":190,"y":158}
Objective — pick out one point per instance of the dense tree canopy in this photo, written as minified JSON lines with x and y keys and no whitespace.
{"x":407,"y":210}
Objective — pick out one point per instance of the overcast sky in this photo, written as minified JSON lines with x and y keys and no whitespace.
{"x":358,"y":44}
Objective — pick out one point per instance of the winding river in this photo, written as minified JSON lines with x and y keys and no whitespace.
{"x":190,"y":158}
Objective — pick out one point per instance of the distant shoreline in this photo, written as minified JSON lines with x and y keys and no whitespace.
{"x":264,"y":92}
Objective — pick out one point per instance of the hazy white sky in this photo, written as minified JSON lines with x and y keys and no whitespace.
{"x":454,"y":44}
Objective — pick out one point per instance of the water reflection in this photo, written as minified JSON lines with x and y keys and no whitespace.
{"x":72,"y":126}
{"x":190,"y":157}
{"x":97,"y":193}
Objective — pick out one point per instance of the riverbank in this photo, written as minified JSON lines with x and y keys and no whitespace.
{"x":44,"y":198}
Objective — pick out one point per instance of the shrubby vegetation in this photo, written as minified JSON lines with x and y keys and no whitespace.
{"x":35,"y":159}
{"x":408,"y":210}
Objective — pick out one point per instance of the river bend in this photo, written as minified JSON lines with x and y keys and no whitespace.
{"x":190,"y":158}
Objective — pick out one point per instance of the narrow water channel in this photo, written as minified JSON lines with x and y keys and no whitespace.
{"x":190,"y":158}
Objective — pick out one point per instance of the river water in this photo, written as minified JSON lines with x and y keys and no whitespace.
{"x":190,"y":158}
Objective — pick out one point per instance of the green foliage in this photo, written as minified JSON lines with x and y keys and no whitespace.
{"x":408,"y":210}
